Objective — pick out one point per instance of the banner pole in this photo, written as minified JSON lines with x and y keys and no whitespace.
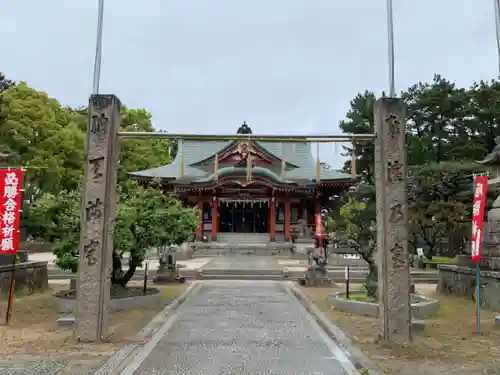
{"x":478,"y":299}
{"x":12,"y":286}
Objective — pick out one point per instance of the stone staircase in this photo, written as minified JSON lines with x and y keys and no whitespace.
{"x":241,"y":274}
{"x":243,"y":238}
{"x":241,"y":244}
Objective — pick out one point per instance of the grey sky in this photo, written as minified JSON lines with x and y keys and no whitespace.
{"x":206,"y":65}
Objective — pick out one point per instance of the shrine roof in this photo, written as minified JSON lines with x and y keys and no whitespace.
{"x":241,"y":171}
{"x":298,"y":157}
{"x":297,"y":154}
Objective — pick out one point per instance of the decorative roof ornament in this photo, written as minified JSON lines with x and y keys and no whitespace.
{"x":493,"y":158}
{"x":244,"y":129}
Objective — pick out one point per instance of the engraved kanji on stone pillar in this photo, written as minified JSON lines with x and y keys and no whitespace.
{"x":97,"y":220}
{"x":392,"y":219}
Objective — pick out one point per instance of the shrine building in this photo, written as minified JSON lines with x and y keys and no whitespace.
{"x":262,"y":189}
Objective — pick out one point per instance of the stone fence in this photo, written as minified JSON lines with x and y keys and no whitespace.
{"x":30,"y":275}
{"x":461,"y":281}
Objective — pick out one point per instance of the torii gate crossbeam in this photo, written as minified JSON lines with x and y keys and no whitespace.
{"x":252,"y":137}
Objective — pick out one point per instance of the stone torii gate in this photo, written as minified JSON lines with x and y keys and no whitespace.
{"x":99,"y":209}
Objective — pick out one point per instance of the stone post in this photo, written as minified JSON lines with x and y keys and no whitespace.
{"x":392,"y":220}
{"x":97,"y":219}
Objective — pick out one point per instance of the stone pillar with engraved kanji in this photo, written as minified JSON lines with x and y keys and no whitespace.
{"x":392,"y":221}
{"x":97,"y":219}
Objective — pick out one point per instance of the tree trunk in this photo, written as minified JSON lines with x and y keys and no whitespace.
{"x":132,"y":267}
{"x":117,"y":272}
{"x":118,"y":277}
{"x":372,"y":280}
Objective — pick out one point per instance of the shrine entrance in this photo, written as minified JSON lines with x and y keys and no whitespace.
{"x":243,"y":216}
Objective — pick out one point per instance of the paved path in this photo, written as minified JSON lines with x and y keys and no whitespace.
{"x":241,"y":328}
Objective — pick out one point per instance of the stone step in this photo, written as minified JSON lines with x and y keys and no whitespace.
{"x":208,"y":253}
{"x":242,"y":246}
{"x":239,"y":238}
{"x":203,"y":276}
{"x":234,"y":272}
{"x":214,"y":252}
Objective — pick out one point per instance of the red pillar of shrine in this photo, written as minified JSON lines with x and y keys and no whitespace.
{"x":199,"y":229}
{"x":287,"y":219}
{"x":272,"y":220}
{"x":215,"y":218}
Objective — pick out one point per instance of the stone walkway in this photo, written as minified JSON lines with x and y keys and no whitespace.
{"x":240,"y":328}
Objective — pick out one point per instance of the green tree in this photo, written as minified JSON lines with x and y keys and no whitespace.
{"x":360,"y":120}
{"x":48,"y":138}
{"x":436,"y":113}
{"x":40,"y":133}
{"x":56,"y":219}
{"x":5,"y":83}
{"x":140,"y":153}
{"x":355,"y":225}
{"x":43,"y":135}
{"x":483,"y":118}
{"x":440,"y":202}
{"x":146,"y":218}
{"x":444,"y":123}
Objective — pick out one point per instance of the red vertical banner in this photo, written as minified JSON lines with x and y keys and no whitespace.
{"x":10,"y":209}
{"x":478,"y":206}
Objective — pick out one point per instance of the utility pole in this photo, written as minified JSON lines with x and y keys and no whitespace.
{"x":98,"y":49}
{"x":497,"y":29}
{"x":390,"y":45}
